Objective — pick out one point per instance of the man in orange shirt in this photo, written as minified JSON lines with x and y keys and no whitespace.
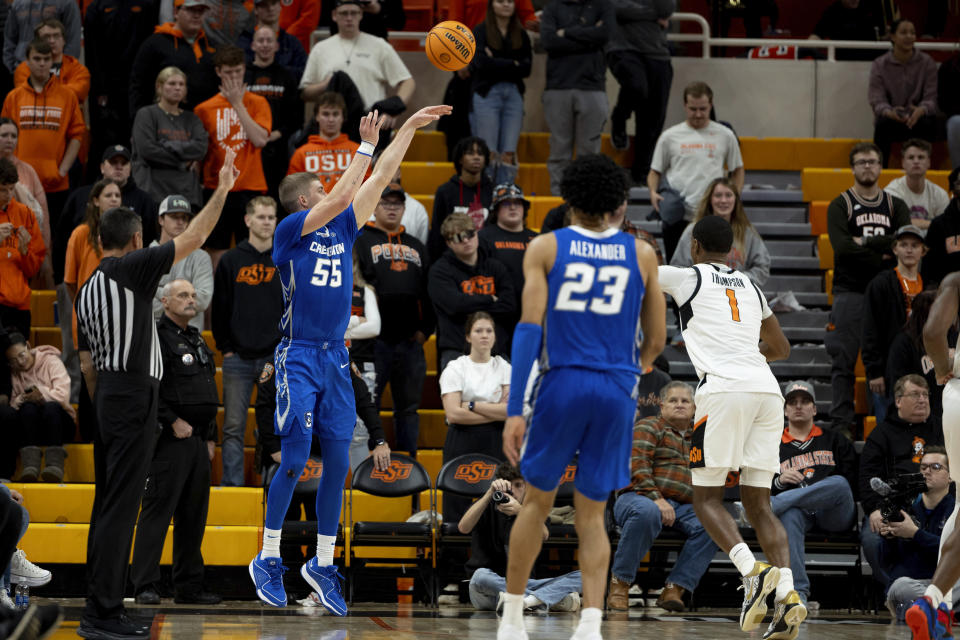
{"x":240,"y":120}
{"x":328,"y":154}
{"x":21,"y":252}
{"x":72,"y":74}
{"x":51,"y":126}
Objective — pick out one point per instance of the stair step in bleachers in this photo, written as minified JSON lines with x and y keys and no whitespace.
{"x":794,"y":248}
{"x":807,"y":263}
{"x":794,"y":283}
{"x":41,"y":308}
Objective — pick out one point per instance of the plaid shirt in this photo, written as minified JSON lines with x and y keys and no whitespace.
{"x":660,"y":461}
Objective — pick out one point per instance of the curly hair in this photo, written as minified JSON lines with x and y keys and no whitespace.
{"x":594,"y":185}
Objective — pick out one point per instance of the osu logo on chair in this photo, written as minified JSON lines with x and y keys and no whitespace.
{"x":396,"y":471}
{"x":313,"y":469}
{"x":474,"y":472}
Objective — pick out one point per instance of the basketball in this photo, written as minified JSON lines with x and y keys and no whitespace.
{"x":450,"y":46}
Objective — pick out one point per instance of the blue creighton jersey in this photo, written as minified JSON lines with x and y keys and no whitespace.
{"x":316,"y":271}
{"x":593,"y":312}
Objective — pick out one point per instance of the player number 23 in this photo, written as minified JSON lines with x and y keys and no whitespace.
{"x":578,"y":279}
{"x":326,"y":273}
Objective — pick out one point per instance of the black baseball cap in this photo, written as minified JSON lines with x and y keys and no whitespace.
{"x":114,"y":151}
{"x":393,"y":189}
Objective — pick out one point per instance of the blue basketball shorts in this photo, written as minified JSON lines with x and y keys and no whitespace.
{"x":314,"y":391}
{"x":585,"y":413}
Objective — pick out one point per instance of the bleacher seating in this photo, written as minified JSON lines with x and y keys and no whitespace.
{"x":790,"y":182}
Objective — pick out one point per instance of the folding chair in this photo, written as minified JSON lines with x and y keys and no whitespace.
{"x":404,"y":478}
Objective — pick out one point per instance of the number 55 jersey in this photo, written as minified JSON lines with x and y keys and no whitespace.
{"x":595,"y":295}
{"x":721,"y":310}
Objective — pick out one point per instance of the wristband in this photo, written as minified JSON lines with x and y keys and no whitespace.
{"x":526,"y":345}
{"x":472,"y":405}
{"x":366,"y":149}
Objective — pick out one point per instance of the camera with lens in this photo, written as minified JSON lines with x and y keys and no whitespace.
{"x":500,"y":497}
{"x":898,"y":494}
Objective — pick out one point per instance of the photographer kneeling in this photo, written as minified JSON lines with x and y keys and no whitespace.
{"x":489,"y":522}
{"x":910,"y":547}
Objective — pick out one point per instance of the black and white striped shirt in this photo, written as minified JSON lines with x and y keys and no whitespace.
{"x":115,"y":311}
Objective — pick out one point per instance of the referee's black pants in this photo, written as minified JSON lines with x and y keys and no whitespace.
{"x":178,"y":487}
{"x":126,"y":406}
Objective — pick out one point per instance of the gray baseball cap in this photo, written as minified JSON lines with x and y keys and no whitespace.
{"x":799,"y":386}
{"x":911,"y":230}
{"x":175,"y":204}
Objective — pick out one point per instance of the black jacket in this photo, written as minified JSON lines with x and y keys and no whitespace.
{"x":454,"y":196}
{"x":917,"y":557}
{"x":290,"y":53}
{"x":825,"y":453}
{"x":575,"y":61}
{"x":506,"y":65}
{"x":188,"y":389}
{"x":131,"y":196}
{"x":884,"y":313}
{"x":396,"y":266}
{"x":164,"y":50}
{"x":906,"y":356}
{"x":247,"y":302}
{"x":555,"y":219}
{"x":457,"y":290}
{"x":113,"y":31}
{"x":943,"y":239}
{"x":894,"y":447}
{"x":509,"y":248}
{"x":948,"y":86}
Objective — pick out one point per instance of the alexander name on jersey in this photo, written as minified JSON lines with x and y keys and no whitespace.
{"x":725,"y":281}
{"x":587,"y":249}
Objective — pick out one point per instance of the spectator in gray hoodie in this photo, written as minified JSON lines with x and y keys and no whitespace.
{"x":639,"y":58}
{"x":575,"y":105}
{"x":24,"y":15}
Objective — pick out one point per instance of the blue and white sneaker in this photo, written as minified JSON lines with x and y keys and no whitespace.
{"x":267,"y":576}
{"x":326,"y":582}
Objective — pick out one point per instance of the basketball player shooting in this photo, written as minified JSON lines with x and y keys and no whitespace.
{"x":930,"y":616}
{"x":590,"y":289}
{"x":312,"y":250}
{"x":739,"y":417}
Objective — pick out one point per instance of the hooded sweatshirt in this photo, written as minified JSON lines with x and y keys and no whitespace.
{"x":24,"y":15}
{"x":247,"y":302}
{"x":894,"y":447}
{"x":72,"y":74}
{"x":395,"y":265}
{"x":458,"y":289}
{"x":454,"y":196}
{"x":168,"y":47}
{"x":299,"y":18}
{"x":47,"y":120}
{"x":328,"y":159}
{"x":821,"y":455}
{"x":16,"y":268}
{"x":163,"y":146}
{"x":637,"y":28}
{"x":48,"y":375}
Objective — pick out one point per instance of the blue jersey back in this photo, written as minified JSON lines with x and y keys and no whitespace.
{"x":595,"y":294}
{"x":316,"y":271}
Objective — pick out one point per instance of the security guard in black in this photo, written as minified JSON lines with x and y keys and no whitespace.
{"x":178,"y":484}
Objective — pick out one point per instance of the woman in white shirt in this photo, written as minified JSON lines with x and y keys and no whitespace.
{"x":474,"y":389}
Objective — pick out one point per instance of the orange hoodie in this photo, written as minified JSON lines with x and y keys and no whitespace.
{"x":72,"y":74}
{"x":299,"y":18}
{"x":47,"y":120}
{"x":326,"y":158}
{"x":17,"y":268}
{"x":223,"y":126}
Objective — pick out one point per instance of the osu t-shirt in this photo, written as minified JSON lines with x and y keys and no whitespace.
{"x":223,"y":126}
{"x":328,"y":159}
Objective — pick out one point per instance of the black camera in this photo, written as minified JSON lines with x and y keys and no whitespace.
{"x":898,"y":494}
{"x":500,"y":497}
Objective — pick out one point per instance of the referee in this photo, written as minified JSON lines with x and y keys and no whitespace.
{"x":121,"y":363}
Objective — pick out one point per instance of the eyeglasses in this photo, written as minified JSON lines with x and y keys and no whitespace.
{"x":463,"y":236}
{"x":866,"y":163}
{"x":933,"y":466}
{"x":916,"y":395}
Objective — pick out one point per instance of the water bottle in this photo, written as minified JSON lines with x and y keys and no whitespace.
{"x":18,"y":597}
{"x":25,"y":595}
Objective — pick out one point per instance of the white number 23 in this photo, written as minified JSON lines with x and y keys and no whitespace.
{"x":578,"y":279}
{"x":326,"y":273}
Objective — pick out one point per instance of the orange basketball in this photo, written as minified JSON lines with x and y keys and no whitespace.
{"x":450,"y":45}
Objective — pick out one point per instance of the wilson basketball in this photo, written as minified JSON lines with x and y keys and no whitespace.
{"x":450,"y":46}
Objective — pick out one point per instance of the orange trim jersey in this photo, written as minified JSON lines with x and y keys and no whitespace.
{"x":47,"y":120}
{"x":72,"y":74}
{"x":17,"y":268}
{"x":223,"y":126}
{"x":328,"y":159}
